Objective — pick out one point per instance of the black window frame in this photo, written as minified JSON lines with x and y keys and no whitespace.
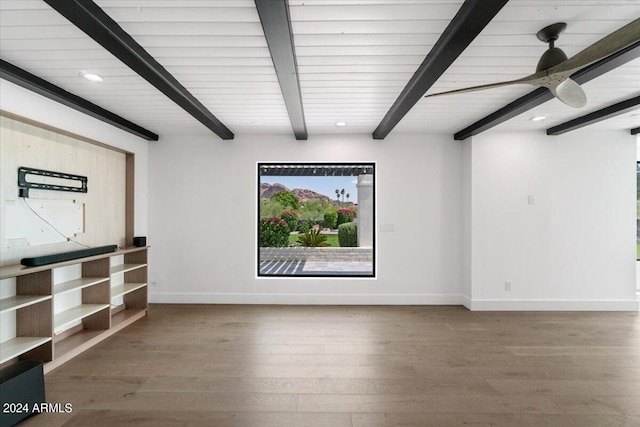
{"x":370,"y":165}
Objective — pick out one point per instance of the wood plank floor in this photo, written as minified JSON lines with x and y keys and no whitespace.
{"x":238,"y":365}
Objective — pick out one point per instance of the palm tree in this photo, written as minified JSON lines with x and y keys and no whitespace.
{"x":342,"y":192}
{"x":347,"y":197}
{"x":338,"y":195}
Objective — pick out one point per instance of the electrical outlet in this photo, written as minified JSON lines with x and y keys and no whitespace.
{"x":507,"y":286}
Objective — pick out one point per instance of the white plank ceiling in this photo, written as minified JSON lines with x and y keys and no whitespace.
{"x":354,"y":58}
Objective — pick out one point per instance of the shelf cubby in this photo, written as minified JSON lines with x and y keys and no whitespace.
{"x":20,"y":346}
{"x":20,"y":301}
{"x":77,"y":284}
{"x":125,"y":288}
{"x":125,"y":268}
{"x":82,"y":312}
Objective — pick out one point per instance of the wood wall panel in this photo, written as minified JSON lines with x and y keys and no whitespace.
{"x":25,"y":144}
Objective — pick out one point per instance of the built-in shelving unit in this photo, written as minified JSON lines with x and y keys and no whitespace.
{"x":58,"y":319}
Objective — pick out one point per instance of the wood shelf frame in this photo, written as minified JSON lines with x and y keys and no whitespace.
{"x":36,"y":324}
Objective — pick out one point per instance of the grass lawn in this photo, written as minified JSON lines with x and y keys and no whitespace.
{"x":332,"y":239}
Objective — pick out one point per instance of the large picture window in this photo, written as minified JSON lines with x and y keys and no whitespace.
{"x":316,"y":219}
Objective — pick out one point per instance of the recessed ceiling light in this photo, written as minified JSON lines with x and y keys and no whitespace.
{"x":537,"y":118}
{"x":91,"y":77}
{"x":341,"y":124}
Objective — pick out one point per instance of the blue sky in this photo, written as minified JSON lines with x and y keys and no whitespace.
{"x":320,"y":184}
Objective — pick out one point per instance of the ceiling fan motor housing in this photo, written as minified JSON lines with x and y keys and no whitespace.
{"x":552,"y":57}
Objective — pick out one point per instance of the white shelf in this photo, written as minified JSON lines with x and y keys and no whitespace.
{"x":123,"y":268}
{"x":74,"y":314}
{"x":17,"y":346}
{"x":19,"y":301}
{"x":125,"y":288}
{"x":83,"y":282}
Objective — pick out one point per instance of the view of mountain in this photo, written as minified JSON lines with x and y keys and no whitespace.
{"x":303,"y":195}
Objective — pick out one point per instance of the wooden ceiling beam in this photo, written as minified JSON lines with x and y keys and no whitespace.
{"x":42,"y":87}
{"x":470,"y":20}
{"x":276,"y":23}
{"x":596,"y":116}
{"x":90,"y":18}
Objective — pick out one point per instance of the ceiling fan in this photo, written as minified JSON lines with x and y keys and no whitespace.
{"x":554,"y":68}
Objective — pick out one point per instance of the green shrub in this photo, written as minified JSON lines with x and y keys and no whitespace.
{"x":304,"y":225}
{"x":348,"y":235}
{"x":344,"y":216}
{"x":291,"y":217}
{"x":312,"y":238}
{"x":273,"y":232}
{"x":287,"y":199}
{"x":270,"y":208}
{"x":330,"y":219}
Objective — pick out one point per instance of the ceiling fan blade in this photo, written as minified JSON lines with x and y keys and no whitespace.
{"x":536,"y":79}
{"x":570,"y":93}
{"x":604,"y":47}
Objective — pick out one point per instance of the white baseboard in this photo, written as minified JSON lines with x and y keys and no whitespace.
{"x":397,"y":299}
{"x":553,"y":305}
{"x":305,"y":299}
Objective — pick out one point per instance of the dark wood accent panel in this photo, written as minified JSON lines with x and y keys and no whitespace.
{"x":99,"y":320}
{"x":136,"y":299}
{"x":96,"y":268}
{"x":35,"y":320}
{"x":38,"y":283}
{"x":97,"y":294}
{"x":42,"y":353}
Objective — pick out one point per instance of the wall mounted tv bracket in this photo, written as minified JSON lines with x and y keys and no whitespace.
{"x":24,"y":185}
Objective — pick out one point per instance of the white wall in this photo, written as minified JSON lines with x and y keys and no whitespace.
{"x":637,"y":262}
{"x":466,"y":257}
{"x":463,"y":225}
{"x":20,"y":101}
{"x":575,"y":247}
{"x":203,"y":215}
